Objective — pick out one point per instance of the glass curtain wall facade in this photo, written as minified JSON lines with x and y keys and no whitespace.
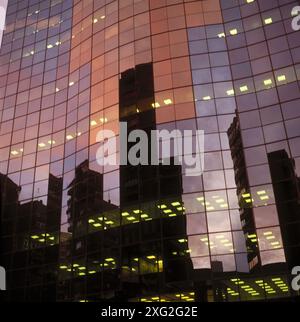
{"x":73,"y":230}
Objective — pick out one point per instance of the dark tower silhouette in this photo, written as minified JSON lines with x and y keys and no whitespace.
{"x":286,"y":187}
{"x":151,"y":184}
{"x":30,"y":247}
{"x":243,"y":192}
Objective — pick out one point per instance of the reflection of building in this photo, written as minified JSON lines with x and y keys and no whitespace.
{"x":143,"y":183}
{"x":120,"y":247}
{"x":243,"y":189}
{"x":286,"y":198}
{"x":86,"y":209}
{"x":86,"y":196}
{"x":286,"y":187}
{"x":285,"y":184}
{"x":30,"y":248}
{"x":9,"y":203}
{"x":150,"y":184}
{"x":54,"y":201}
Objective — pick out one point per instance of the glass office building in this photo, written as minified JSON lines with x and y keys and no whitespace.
{"x":73,"y":230}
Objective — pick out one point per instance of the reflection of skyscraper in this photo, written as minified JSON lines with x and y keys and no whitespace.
{"x":86,"y":196}
{"x":86,"y":208}
{"x":54,"y":202}
{"x":143,"y":183}
{"x":286,"y":187}
{"x":116,"y":253}
{"x":30,"y":248}
{"x":152,"y":185}
{"x":9,"y":202}
{"x":243,"y":191}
